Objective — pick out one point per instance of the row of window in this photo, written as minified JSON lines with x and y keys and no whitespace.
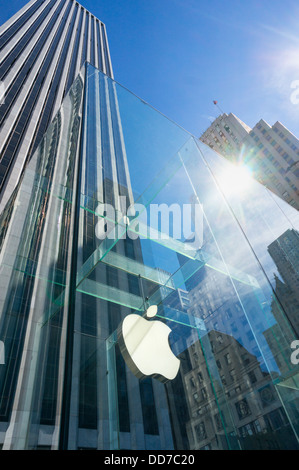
{"x":286,"y":139}
{"x":273,"y":141}
{"x":17,"y":134}
{"x":276,"y":164}
{"x":273,"y":421}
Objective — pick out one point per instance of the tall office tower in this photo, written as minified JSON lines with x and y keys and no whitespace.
{"x":43,"y":47}
{"x":271,"y":153}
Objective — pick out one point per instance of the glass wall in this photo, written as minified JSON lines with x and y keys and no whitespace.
{"x":120,"y":210}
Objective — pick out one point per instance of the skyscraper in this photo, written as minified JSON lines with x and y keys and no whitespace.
{"x":43,"y":47}
{"x":270,"y":152}
{"x":80,"y":252}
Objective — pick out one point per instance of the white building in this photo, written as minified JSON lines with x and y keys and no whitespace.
{"x":272,"y":153}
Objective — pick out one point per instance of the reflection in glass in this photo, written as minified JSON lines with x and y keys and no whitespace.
{"x":227,"y":287}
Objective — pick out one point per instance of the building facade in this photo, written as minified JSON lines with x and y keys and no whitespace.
{"x":43,"y":47}
{"x":226,"y":135}
{"x":270,"y":152}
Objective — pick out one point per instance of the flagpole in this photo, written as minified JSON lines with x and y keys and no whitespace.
{"x":216,"y":104}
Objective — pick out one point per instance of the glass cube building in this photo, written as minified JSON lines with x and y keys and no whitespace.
{"x":120,"y":209}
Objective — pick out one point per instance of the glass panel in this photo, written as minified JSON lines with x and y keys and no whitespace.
{"x":121,"y":210}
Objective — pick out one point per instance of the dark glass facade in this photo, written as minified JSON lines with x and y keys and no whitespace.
{"x":229,"y":299}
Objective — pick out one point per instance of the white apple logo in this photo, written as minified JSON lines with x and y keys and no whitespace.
{"x":145,"y":348}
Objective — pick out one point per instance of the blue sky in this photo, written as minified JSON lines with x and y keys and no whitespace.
{"x":180,"y":55}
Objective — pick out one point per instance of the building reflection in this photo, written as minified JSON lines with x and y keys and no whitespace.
{"x":285,"y":253}
{"x":231,"y":397}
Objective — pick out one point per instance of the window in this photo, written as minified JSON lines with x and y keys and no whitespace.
{"x":246,"y":430}
{"x":220,"y":339}
{"x":276,"y":419}
{"x":196,"y":397}
{"x":228,"y":313}
{"x":243,"y":409}
{"x":252,"y":377}
{"x":227,"y":358}
{"x":192,"y":382}
{"x":200,"y":377}
{"x":223,"y":380}
{"x":250,"y":429}
{"x":257,"y":425}
{"x":266,"y":395}
{"x":220,"y":421}
{"x":250,"y":336}
{"x":232,"y":374}
{"x":206,"y":447}
{"x":200,"y":431}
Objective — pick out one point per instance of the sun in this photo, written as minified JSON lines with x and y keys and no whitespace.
{"x":235,"y":180}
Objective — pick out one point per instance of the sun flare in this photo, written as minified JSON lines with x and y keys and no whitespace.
{"x":236,"y":179}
